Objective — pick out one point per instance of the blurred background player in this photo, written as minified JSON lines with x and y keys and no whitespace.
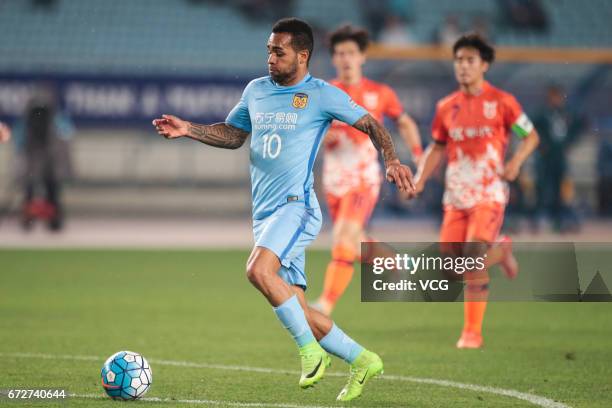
{"x":559,"y":128}
{"x":42,"y":140}
{"x":286,"y":213}
{"x":351,"y":171}
{"x":472,"y":128}
{"x":5,"y":133}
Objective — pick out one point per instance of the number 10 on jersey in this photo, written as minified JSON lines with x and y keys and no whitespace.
{"x":271,"y":146}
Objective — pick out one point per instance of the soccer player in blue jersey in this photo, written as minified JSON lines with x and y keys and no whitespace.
{"x":287,"y":114}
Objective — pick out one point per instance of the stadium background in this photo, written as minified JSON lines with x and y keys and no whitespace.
{"x":118,"y":64}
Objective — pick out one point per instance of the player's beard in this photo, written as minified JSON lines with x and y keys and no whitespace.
{"x":283,"y":78}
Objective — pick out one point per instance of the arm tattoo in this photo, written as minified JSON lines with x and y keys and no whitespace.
{"x":218,"y":135}
{"x":379,"y":135}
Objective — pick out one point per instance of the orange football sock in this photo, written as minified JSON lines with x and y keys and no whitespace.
{"x":473,"y":313}
{"x":474,"y":310}
{"x":475,"y":299}
{"x":339,"y":273}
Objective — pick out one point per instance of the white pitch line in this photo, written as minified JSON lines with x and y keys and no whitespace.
{"x":210,"y":402}
{"x":531,"y":398}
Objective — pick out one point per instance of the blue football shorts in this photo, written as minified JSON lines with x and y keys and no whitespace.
{"x":287,"y":232}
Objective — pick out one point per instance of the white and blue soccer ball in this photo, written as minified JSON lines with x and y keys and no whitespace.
{"x":126,"y":375}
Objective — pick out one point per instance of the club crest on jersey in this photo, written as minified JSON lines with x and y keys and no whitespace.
{"x":300,"y":100}
{"x":489,"y":109}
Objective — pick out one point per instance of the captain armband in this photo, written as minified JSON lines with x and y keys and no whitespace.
{"x":523,"y":126}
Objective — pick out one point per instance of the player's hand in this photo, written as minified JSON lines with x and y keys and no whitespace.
{"x":171,"y":127}
{"x":419,"y":186}
{"x":511,"y":170}
{"x":5,"y":133}
{"x":400,"y":175}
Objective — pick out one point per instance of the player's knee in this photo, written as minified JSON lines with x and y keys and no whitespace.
{"x":347,"y":237}
{"x":344,"y":252}
{"x":255,"y":273}
{"x":347,"y":230}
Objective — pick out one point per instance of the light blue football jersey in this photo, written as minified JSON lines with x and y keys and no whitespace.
{"x":287,"y":125}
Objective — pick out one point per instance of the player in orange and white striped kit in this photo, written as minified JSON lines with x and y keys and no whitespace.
{"x":351,"y":171}
{"x":472,"y":128}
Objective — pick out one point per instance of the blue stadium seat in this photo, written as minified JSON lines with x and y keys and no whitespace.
{"x":180,"y":37}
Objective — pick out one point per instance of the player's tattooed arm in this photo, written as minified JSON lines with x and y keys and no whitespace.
{"x":395,"y":171}
{"x":379,"y":135}
{"x":218,"y":135}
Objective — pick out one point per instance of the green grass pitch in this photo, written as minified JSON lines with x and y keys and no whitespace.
{"x":198,"y":307}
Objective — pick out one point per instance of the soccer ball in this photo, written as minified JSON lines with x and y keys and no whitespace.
{"x":126,"y":375}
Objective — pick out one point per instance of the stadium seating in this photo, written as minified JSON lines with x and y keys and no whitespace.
{"x":182,"y":37}
{"x":139,"y":36}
